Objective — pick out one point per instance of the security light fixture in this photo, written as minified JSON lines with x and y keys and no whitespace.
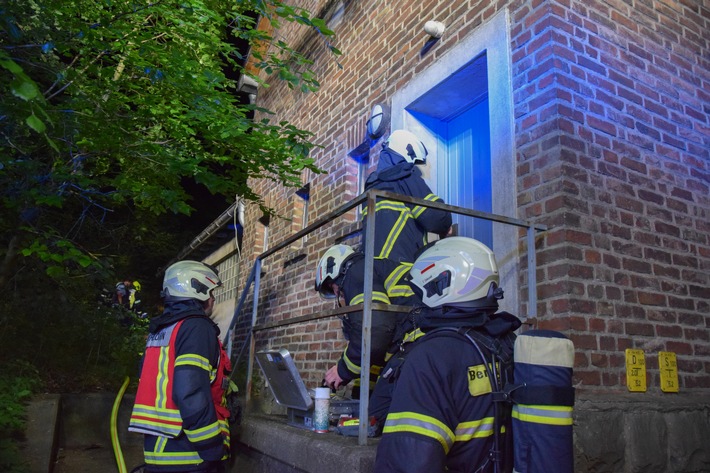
{"x":435,"y":29}
{"x":377,"y":124}
{"x":378,"y":121}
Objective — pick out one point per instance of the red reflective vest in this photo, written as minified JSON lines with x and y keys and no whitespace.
{"x":155,"y":412}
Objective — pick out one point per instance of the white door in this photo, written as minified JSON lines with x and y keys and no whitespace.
{"x":468,"y":170}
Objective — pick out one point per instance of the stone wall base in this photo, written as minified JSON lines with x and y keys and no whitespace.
{"x":613,"y":433}
{"x":642,"y":432}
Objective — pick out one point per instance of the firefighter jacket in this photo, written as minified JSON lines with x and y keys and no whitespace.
{"x":401,"y":228}
{"x":442,"y":413}
{"x":388,"y":287}
{"x":180,"y":404}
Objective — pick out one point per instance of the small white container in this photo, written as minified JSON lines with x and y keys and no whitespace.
{"x":321,"y":411}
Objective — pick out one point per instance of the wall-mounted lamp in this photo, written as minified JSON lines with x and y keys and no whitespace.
{"x":379,"y":121}
{"x":377,"y":124}
{"x":435,"y":29}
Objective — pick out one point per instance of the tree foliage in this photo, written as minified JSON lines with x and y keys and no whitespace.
{"x":110,"y":111}
{"x":110,"y":106}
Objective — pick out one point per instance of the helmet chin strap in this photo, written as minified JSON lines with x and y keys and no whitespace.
{"x":337,"y":297}
{"x":338,"y":284}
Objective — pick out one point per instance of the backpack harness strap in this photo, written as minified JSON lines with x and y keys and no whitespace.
{"x":501,"y":350}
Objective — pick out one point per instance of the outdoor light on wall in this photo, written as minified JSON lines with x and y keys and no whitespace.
{"x":435,"y":29}
{"x":377,"y":124}
{"x":379,"y":121}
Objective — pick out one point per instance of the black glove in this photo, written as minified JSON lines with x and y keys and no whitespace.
{"x":235,"y":410}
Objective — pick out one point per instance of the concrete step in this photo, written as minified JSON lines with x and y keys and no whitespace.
{"x":71,"y":433}
{"x":42,"y":432}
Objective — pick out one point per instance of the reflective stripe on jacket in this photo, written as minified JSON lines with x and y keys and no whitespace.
{"x":155,"y":412}
{"x":441,"y":416}
{"x":180,"y":372}
{"x":388,"y":287}
{"x":401,"y":228}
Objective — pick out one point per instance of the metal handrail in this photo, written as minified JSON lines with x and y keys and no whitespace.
{"x":370,"y":197}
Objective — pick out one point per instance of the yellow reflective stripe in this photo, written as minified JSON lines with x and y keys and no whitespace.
{"x":160,"y":457}
{"x":396,"y":230}
{"x":401,"y":291}
{"x":386,"y":205}
{"x":154,"y":428}
{"x":475,"y":429}
{"x":226,"y":437}
{"x":377,"y":296}
{"x":193,"y":360}
{"x":419,"y":209}
{"x":394,"y":233}
{"x":550,"y":415}
{"x":394,"y":277}
{"x":203,"y":433}
{"x":152,"y":420}
{"x":391,"y":205}
{"x":413,"y":335}
{"x":157,"y":412}
{"x":421,"y":425}
{"x":352,"y":367}
{"x":161,"y":383}
{"x":172,"y":458}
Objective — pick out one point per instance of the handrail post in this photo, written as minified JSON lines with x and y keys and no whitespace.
{"x":367,"y":319}
{"x":532,"y":273}
{"x":232,"y":324}
{"x":255,"y":310}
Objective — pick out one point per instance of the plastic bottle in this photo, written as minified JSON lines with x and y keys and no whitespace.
{"x":321,"y":411}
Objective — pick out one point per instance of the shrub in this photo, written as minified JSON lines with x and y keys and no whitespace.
{"x":18,"y":381}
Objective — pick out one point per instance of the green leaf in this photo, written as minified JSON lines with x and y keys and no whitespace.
{"x":55,"y":271}
{"x":9,"y":64}
{"x":84,"y":261}
{"x":35,"y":123}
{"x":25,"y":89}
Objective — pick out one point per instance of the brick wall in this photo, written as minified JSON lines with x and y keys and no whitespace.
{"x":612,"y":146}
{"x":612,"y":126}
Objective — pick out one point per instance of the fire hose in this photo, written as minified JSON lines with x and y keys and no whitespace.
{"x":114,"y":431}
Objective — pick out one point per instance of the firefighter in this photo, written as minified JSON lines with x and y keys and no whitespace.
{"x":133,"y":294}
{"x":442,"y":415}
{"x":122,"y":293}
{"x":180,"y":404}
{"x":340,"y":275}
{"x":401,"y":228}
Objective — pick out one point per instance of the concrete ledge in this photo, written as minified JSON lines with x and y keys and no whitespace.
{"x":276,"y":447}
{"x":653,"y":433}
{"x":42,"y":432}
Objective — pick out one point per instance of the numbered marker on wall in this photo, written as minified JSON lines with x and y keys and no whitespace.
{"x":635,"y":370}
{"x":668,"y":366}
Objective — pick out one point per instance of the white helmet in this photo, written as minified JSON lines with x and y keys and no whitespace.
{"x":456,"y":270}
{"x":406,"y":144}
{"x":190,"y":280}
{"x":331,"y":267}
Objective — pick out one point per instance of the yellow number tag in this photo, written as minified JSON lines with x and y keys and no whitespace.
{"x":635,"y":370}
{"x":668,"y":366}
